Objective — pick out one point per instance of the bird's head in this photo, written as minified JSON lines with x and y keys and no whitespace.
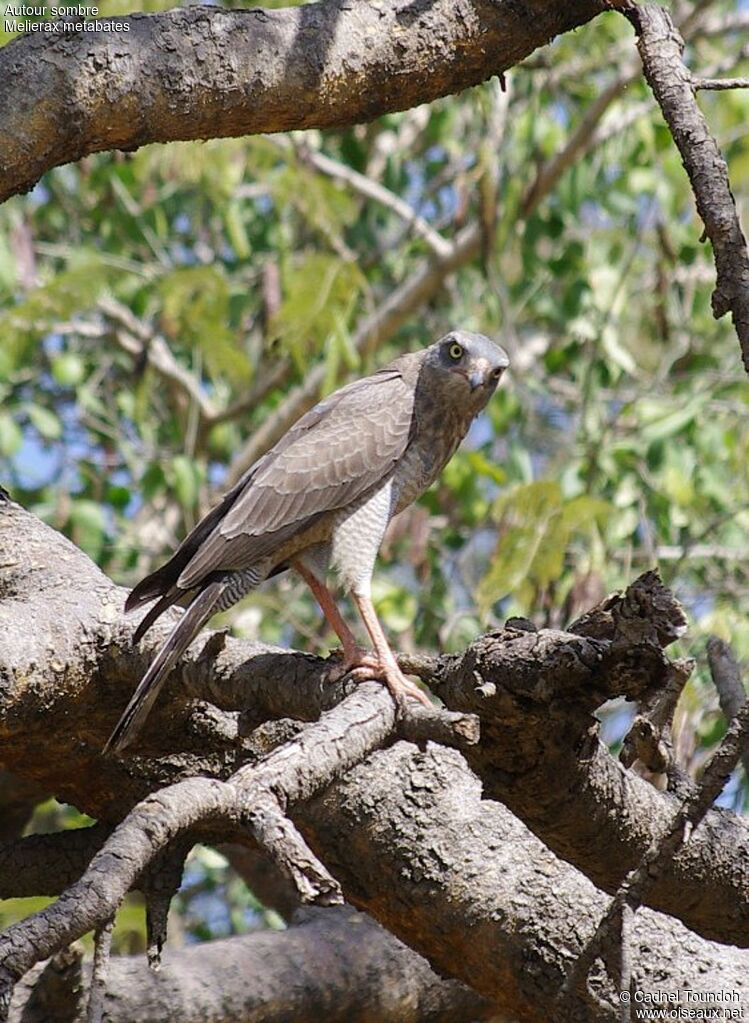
{"x":467,"y":367}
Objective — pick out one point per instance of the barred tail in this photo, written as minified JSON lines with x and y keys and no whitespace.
{"x":189,"y":625}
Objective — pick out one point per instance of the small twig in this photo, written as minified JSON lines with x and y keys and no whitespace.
{"x":450,"y":728}
{"x":98,"y":989}
{"x":372,"y":189}
{"x":663,"y":849}
{"x":287,"y":849}
{"x":718,"y":84}
{"x":424,"y":666}
{"x":660,"y":46}
{"x":139,"y":340}
{"x":160,"y":884}
{"x":726,"y":676}
{"x":649,"y":738}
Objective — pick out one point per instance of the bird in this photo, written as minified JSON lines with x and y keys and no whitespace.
{"x":321,"y":499}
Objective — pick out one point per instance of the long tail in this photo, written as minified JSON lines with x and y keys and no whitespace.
{"x":189,"y":625}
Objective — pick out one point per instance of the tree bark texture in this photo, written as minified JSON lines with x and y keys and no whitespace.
{"x":204,"y":72}
{"x":407,"y":830}
{"x":338,"y":966}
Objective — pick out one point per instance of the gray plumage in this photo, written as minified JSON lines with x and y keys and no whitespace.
{"x":322,"y":498}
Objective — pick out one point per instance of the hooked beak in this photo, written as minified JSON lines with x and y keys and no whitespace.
{"x":479,"y":376}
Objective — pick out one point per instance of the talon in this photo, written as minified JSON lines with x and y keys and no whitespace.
{"x":367,"y":666}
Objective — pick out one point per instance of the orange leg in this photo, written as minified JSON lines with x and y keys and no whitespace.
{"x":382,"y":664}
{"x":352,"y":652}
{"x":385,"y":663}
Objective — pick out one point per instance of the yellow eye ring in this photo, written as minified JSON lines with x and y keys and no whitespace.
{"x":456,"y":351}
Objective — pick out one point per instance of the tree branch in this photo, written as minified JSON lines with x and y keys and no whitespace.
{"x":46,"y":864}
{"x":540,"y":753}
{"x":255,"y":797}
{"x":18,"y":798}
{"x":371,"y":189}
{"x":207,"y":73}
{"x":138,"y":341}
{"x":407,"y":822}
{"x":660,"y":47}
{"x":720,"y":84}
{"x":726,"y":676}
{"x":534,"y":692}
{"x":616,"y":922}
{"x":337,"y":965}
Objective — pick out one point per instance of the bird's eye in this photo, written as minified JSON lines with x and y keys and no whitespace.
{"x":456,"y":351}
{"x":498,"y":372}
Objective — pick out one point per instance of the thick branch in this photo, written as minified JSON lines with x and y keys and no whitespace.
{"x":46,"y":864}
{"x":18,"y":797}
{"x":615,"y":927}
{"x":541,"y":756}
{"x":411,"y":838}
{"x":255,"y":797}
{"x":525,"y":695}
{"x":203,"y":72}
{"x":535,"y":694}
{"x":337,"y":965}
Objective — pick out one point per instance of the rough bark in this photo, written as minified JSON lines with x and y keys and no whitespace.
{"x":536,"y":697}
{"x":661,"y":46}
{"x":406,"y":832}
{"x":339,"y":966}
{"x":412,"y":839}
{"x":18,"y":798}
{"x":541,"y":756}
{"x":203,"y":72}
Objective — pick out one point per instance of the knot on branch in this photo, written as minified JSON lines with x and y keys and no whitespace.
{"x":646,"y":612}
{"x":616,"y":649}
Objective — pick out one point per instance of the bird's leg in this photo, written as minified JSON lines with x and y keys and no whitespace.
{"x":385,"y":664}
{"x":353,"y":655}
{"x":382,"y":664}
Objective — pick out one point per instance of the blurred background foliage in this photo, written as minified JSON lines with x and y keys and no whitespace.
{"x":157,"y":309}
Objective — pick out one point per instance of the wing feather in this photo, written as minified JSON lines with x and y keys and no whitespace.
{"x":339,"y":450}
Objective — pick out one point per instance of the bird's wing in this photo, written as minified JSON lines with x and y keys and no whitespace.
{"x":339,"y":450}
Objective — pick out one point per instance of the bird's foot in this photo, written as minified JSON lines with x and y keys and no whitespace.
{"x":349,"y":661}
{"x":364,"y":665}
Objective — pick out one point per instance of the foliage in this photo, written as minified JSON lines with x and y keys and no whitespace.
{"x":619,"y":440}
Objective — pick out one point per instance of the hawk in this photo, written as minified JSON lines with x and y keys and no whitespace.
{"x":321,"y":499}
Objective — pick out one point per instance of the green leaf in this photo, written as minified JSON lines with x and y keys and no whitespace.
{"x":186,"y":480}
{"x":68,"y":369}
{"x":535,"y":528}
{"x":11,"y":437}
{"x":195,"y":313}
{"x":483,"y":467}
{"x":152,"y":482}
{"x":235,"y":228}
{"x":118,"y":496}
{"x":320,"y":293}
{"x":658,"y":424}
{"x":45,"y":421}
